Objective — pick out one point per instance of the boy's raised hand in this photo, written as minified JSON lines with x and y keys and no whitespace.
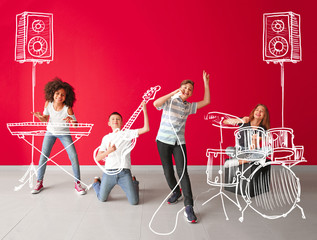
{"x":206,"y":77}
{"x":143,"y":105}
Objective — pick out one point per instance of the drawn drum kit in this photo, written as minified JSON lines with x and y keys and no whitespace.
{"x":264,"y":177}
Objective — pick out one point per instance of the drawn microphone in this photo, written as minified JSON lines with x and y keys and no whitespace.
{"x":176,"y":95}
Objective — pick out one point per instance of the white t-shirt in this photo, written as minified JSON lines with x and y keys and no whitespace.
{"x":56,"y":125}
{"x":121,"y":157}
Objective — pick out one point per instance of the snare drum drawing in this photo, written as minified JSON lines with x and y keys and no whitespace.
{"x":251,"y":144}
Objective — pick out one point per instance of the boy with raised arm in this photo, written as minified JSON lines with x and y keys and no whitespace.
{"x":171,"y":140}
{"x":118,"y":161}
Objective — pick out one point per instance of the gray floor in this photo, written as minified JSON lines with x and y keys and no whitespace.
{"x":59,"y":213}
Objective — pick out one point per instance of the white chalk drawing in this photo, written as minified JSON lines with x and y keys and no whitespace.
{"x":122,"y":136}
{"x":282,"y":41}
{"x":38,"y":129}
{"x":217,"y":119}
{"x":285,"y":151}
{"x":34,"y":37}
{"x":276,"y":193}
{"x":281,"y":37}
{"x":34,"y":43}
{"x":251,"y":144}
{"x":268,"y":184}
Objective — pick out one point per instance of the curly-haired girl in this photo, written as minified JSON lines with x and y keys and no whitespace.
{"x":60,"y":98}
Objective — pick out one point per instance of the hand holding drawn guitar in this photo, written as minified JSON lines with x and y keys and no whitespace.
{"x":121,"y":135}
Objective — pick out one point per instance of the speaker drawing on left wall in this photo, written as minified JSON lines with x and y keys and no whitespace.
{"x":281,"y":37}
{"x":34,"y":37}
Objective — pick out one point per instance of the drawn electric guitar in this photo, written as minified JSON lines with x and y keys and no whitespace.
{"x":120,"y":135}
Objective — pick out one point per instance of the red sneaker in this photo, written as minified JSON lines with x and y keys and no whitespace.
{"x":79,"y":189}
{"x":38,"y":187}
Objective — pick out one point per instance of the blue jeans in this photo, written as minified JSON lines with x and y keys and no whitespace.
{"x":124,"y":180}
{"x":48,"y":142}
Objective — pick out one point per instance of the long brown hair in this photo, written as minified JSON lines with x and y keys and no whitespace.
{"x":265,"y":121}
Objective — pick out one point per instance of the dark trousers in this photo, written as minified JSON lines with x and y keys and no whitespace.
{"x":166,"y":152}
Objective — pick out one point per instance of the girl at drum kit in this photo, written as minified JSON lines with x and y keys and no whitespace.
{"x":269,"y":187}
{"x":259,"y":118}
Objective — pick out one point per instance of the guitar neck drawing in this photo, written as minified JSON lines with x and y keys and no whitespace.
{"x":133,"y":118}
{"x":122,"y":135}
{"x":148,"y":95}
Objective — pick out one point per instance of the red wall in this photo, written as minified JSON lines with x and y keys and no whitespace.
{"x":113,"y":51}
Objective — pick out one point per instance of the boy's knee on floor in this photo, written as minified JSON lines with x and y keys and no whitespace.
{"x":134,"y":202}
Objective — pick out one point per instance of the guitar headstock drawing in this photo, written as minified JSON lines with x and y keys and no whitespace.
{"x":150,"y":94}
{"x":147,"y":96}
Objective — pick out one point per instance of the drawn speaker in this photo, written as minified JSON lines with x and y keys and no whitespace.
{"x":281,"y":37}
{"x":34,"y":37}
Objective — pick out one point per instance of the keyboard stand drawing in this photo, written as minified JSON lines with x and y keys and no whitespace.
{"x":38,"y":129}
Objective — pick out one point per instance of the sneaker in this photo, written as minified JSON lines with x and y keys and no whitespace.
{"x":38,"y":187}
{"x":175,"y":197}
{"x":133,"y":178}
{"x":189,"y":214}
{"x":135,"y":184}
{"x":79,"y":189}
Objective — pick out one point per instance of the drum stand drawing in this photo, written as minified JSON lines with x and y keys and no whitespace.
{"x":218,"y":181}
{"x":38,"y":129}
{"x":217,"y":121}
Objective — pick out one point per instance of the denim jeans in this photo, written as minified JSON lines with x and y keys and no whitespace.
{"x":124,"y":180}
{"x":48,"y":142}
{"x":166,"y":152}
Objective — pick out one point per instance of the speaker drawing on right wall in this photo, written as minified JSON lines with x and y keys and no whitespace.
{"x":281,"y":37}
